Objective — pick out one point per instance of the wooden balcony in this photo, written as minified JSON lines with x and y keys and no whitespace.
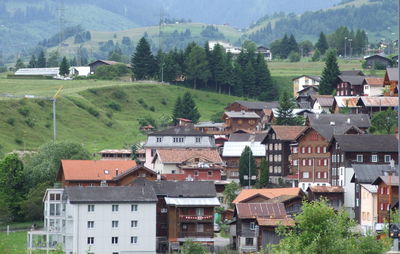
{"x":191,"y":234}
{"x":196,"y":218}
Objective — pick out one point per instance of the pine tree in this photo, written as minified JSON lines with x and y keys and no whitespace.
{"x":64,"y":67}
{"x":265,"y":89}
{"x":249,"y":81}
{"x":330,"y":73}
{"x":189,"y":108}
{"x":322,"y":43}
{"x":316,"y":56}
{"x":197,"y":67}
{"x":284,"y":49}
{"x":246,"y":160}
{"x":32,"y":62}
{"x":285,"y":114}
{"x":217,"y":56}
{"x":292,"y":45}
{"x":263,"y":180}
{"x":41,"y":62}
{"x":143,"y":62}
{"x":19,"y":64}
{"x":177,"y":112}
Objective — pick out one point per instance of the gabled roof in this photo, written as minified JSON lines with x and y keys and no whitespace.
{"x":241,"y":114}
{"x":325,"y":189}
{"x":353,"y":80}
{"x":176,"y":156}
{"x":287,"y":132}
{"x":254,"y":210}
{"x":316,"y":78}
{"x":179,"y":131}
{"x":188,"y":189}
{"x":257,"y":105}
{"x":367,"y":173}
{"x":347,"y":101}
{"x":107,"y":62}
{"x":324,"y":100}
{"x":352,"y":73}
{"x":384,"y":101}
{"x":315,"y":88}
{"x":93,"y":170}
{"x":367,"y":143}
{"x":132,"y":170}
{"x":244,"y":137}
{"x":392,"y":74}
{"x":377,"y":56}
{"x":235,"y":149}
{"x":269,"y":193}
{"x":388,"y":180}
{"x":370,"y":188}
{"x":374,"y":81}
{"x":267,"y":222}
{"x":114,"y":194}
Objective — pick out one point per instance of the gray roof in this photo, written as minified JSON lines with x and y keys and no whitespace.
{"x":367,"y":173}
{"x":244,"y":137}
{"x":242,"y":114}
{"x":258,"y":104}
{"x":352,"y":73}
{"x":115,"y":194}
{"x":377,"y":56}
{"x":209,"y":124}
{"x":316,"y":78}
{"x":393,"y":73}
{"x":324,"y":101}
{"x":353,"y":80}
{"x":179,"y":131}
{"x":183,"y":189}
{"x":367,"y":143}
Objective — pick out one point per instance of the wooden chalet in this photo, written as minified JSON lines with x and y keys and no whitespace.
{"x":390,"y":82}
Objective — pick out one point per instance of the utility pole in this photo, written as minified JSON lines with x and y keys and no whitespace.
{"x":345,"y":40}
{"x":55,"y":97}
{"x":249,"y":170}
{"x":160,"y":44}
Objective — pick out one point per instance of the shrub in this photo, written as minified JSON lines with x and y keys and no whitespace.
{"x":41,"y":103}
{"x":47,"y":125}
{"x":114,"y":106}
{"x":119,"y":94}
{"x":111,"y":71}
{"x":109,"y":124}
{"x":151,"y":108}
{"x":109,"y":114}
{"x":93,"y":91}
{"x":146,"y":121}
{"x":163,"y":101}
{"x":93,"y":112}
{"x":18,"y":141}
{"x":11,"y":121}
{"x":294,"y":57}
{"x":141,"y":101}
{"x":30,"y":123}
{"x":24,"y":112}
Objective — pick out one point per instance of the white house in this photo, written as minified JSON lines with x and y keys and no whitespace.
{"x":300,"y":82}
{"x":227,"y":46}
{"x":117,"y":220}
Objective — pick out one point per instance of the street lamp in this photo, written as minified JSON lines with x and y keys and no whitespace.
{"x":345,"y":40}
{"x":350,"y":40}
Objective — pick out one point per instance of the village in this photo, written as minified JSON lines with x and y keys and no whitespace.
{"x":187,"y":182}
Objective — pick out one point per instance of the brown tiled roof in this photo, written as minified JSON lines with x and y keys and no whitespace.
{"x":267,"y":222}
{"x":254,"y":210}
{"x":374,"y":81}
{"x":370,"y":101}
{"x":393,"y":74}
{"x":181,"y":155}
{"x":288,"y":132}
{"x":326,"y":189}
{"x":268,"y":193}
{"x":325,"y":100}
{"x":93,"y":170}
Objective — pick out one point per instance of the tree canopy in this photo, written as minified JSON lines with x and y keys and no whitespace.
{"x":329,"y":74}
{"x":185,"y":107}
{"x":143,"y":62}
{"x":384,"y":122}
{"x":247,"y":160}
{"x":64,"y":67}
{"x":285,"y":115}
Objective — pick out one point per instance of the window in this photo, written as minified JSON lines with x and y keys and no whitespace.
{"x":90,"y":240}
{"x":165,"y":210}
{"x":374,"y":158}
{"x":134,"y":208}
{"x":235,"y":173}
{"x":387,"y":207}
{"x":178,"y":140}
{"x":324,"y":149}
{"x":279,"y":169}
{"x":200,"y":228}
{"x":114,"y":240}
{"x":133,"y":223}
{"x":309,"y":149}
{"x":325,"y":162}
{"x":295,"y":149}
{"x":381,"y":206}
{"x":115,"y":208}
{"x":295,"y":162}
{"x":55,"y":209}
{"x":318,"y":149}
{"x":387,"y":158}
{"x":276,"y":147}
{"x":55,"y":196}
{"x":303,"y":149}
{"x":133,"y":239}
{"x":271,"y":146}
{"x":90,"y":224}
{"x":198,"y":140}
{"x":303,"y":162}
{"x":271,"y":157}
{"x":360,"y":158}
{"x":271,"y":169}
{"x":318,"y":174}
{"x":199,"y":211}
{"x":114,"y":224}
{"x":310,"y":162}
{"x":306,"y":175}
{"x":196,"y":172}
{"x":383,"y":190}
{"x":252,"y":226}
{"x":325,"y":174}
{"x":209,"y":173}
{"x":334,"y":171}
{"x":249,"y":241}
{"x":159,"y":140}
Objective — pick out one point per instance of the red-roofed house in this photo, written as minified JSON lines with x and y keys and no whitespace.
{"x":98,"y":172}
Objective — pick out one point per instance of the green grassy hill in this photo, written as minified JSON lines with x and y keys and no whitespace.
{"x":83,"y":112}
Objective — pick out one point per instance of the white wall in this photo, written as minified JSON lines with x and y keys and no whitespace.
{"x":369,"y":215}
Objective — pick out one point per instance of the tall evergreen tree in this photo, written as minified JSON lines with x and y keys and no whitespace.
{"x":322,"y":43}
{"x":249,"y":80}
{"x":329,"y":74}
{"x":285,"y":114}
{"x":41,"y":62}
{"x":197,"y":66}
{"x":265,"y":89}
{"x":218,"y":59}
{"x":185,"y":107}
{"x":228,"y":72}
{"x":247,"y":160}
{"x":263,"y":180}
{"x":32,"y":62}
{"x":19,"y":64}
{"x":284,"y":48}
{"x":64,"y":67}
{"x":143,"y":62}
{"x":177,"y":112}
{"x":292,"y":45}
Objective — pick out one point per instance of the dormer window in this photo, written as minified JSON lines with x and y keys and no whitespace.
{"x":198,"y":140}
{"x":159,"y":140}
{"x":178,"y":140}
{"x":106,"y":172}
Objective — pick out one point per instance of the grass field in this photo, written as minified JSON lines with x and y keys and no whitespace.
{"x":15,"y":243}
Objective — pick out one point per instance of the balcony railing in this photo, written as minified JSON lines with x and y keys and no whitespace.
{"x":189,"y":234}
{"x":193,"y":218}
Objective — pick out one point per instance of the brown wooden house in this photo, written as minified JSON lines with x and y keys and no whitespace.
{"x":248,"y":121}
{"x":350,"y":86}
{"x":334,"y":195}
{"x":391,"y":81}
{"x":388,"y":196}
{"x":252,"y":106}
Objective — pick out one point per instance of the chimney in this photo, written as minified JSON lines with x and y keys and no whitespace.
{"x":116,"y":172}
{"x":348,"y":120}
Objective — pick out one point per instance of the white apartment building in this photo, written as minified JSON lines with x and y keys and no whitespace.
{"x":97,"y":220}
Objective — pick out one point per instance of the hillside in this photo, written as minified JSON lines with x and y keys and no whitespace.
{"x":377,"y":17}
{"x":84,"y":114}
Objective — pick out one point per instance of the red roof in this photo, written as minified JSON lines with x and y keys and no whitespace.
{"x":93,"y":170}
{"x":326,"y":189}
{"x":288,"y":132}
{"x":254,"y":210}
{"x":181,"y":155}
{"x":268,"y":193}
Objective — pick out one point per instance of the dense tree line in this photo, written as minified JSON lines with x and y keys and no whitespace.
{"x":55,"y":39}
{"x":203,"y":68}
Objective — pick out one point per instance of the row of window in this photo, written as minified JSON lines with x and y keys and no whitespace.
{"x":319,"y":175}
{"x":309,"y":149}
{"x":384,"y":190}
{"x":310,"y":162}
{"x":275,"y":170}
{"x":373,"y":158}
{"x":114,"y":240}
{"x":277,"y":146}
{"x":276,"y":158}
{"x":114,"y":208}
{"x":384,"y":207}
{"x":114,"y":224}
{"x":178,"y":139}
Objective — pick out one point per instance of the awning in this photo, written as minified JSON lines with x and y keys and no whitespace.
{"x":192,"y":201}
